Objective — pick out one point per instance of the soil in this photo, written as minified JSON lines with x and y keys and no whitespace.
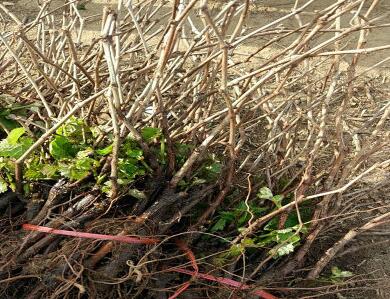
{"x":262,"y":12}
{"x":369,"y":255}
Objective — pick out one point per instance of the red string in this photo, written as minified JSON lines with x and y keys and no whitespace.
{"x":180,"y":290}
{"x":191,"y":256}
{"x":225,"y":281}
{"x":142,"y":240}
{"x":124,"y":239}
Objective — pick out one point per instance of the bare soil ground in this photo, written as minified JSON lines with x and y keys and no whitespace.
{"x":262,"y":12}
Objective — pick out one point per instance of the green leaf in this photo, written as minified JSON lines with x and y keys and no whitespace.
{"x":272,"y":224}
{"x":150,"y":133}
{"x":285,"y":249}
{"x":243,"y":219}
{"x":162,"y":154}
{"x":219,"y":260}
{"x":7,"y":124}
{"x":292,"y":219}
{"x":78,"y":169}
{"x":14,"y":135}
{"x":37,"y":170}
{"x":129,"y":170}
{"x":106,"y":188}
{"x":248,"y":242}
{"x":15,"y":150}
{"x":338,"y":273}
{"x":229,"y":216}
{"x":182,"y":151}
{"x":183,"y":184}
{"x":34,"y":172}
{"x":8,"y":150}
{"x":86,"y":163}
{"x":235,"y":250}
{"x":100,"y":179}
{"x":290,"y":237}
{"x":85,"y":153}
{"x":75,"y":130}
{"x":241,"y":229}
{"x":210,"y":170}
{"x":61,"y":148}
{"x":49,"y":170}
{"x":25,"y":143}
{"x":277,"y":200}
{"x":258,"y":210}
{"x":265,"y":240}
{"x":135,"y":153}
{"x":284,"y":231}
{"x":198,"y":181}
{"x":265,"y":193}
{"x":137,"y":194}
{"x":219,"y":225}
{"x":26,"y":188}
{"x":295,"y":239}
{"x":241,"y":207}
{"x":214,"y":168}
{"x":105,"y":151}
{"x":3,"y":186}
{"x":5,"y":112}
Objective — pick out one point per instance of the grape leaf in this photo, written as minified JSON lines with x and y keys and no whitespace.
{"x":219,"y":225}
{"x":105,"y":151}
{"x":265,"y":193}
{"x":77,"y":169}
{"x":14,"y":150}
{"x":7,"y":124}
{"x":137,"y":194}
{"x":61,"y":148}
{"x":277,"y":200}
{"x":150,"y":133}
{"x":214,"y":168}
{"x":49,"y":170}
{"x":14,"y":135}
{"x":3,"y":186}
{"x":235,"y":250}
{"x":285,"y":249}
{"x":338,"y":273}
{"x":135,"y":153}
{"x":129,"y":170}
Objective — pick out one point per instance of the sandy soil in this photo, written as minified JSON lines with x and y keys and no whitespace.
{"x":262,"y":12}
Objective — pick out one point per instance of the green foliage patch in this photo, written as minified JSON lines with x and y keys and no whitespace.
{"x":278,"y":242}
{"x":71,"y":153}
